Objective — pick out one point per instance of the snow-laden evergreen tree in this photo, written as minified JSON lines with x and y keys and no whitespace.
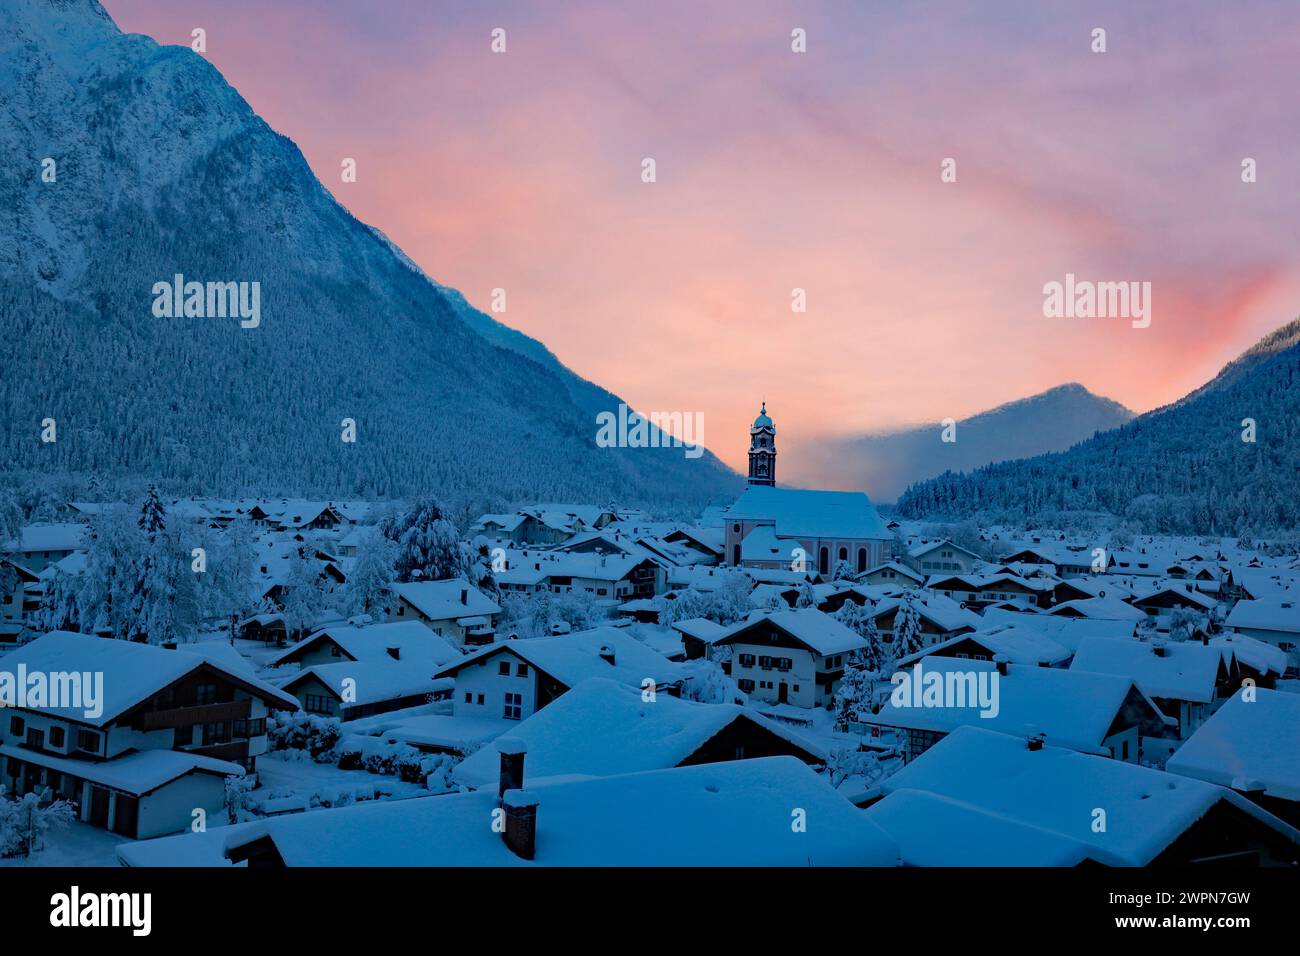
{"x":304,"y":597}
{"x":707,"y":683}
{"x":807,"y":596}
{"x":231,"y":565}
{"x":26,"y":821}
{"x":845,"y":762}
{"x":369,"y":586}
{"x":153,"y":514}
{"x":110,"y":600}
{"x":428,"y":545}
{"x":853,"y":696}
{"x":908,"y":638}
{"x":170,"y":603}
{"x":11,"y":517}
{"x":727,"y":602}
{"x":843,"y":571}
{"x":58,"y":610}
{"x":875,"y":657}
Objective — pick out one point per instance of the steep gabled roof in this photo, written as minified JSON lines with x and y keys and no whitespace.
{"x":132,"y":673}
{"x":800,"y":513}
{"x":601,"y":728}
{"x":815,"y":630}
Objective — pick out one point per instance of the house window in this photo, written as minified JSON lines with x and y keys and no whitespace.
{"x":314,"y":704}
{"x":514,"y":708}
{"x":16,"y":726}
{"x":746,"y":660}
{"x":205,"y":693}
{"x":521,"y":670}
{"x":862,"y":560}
{"x":88,"y":741}
{"x":182,"y":737}
{"x":745,"y":684}
{"x":335,"y":651}
{"x":503,"y":668}
{"x":844,"y":554}
{"x":469,"y":698}
{"x":217,"y":732}
{"x":480,"y":700}
{"x":57,"y":737}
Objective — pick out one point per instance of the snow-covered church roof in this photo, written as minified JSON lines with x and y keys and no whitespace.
{"x":803,"y":513}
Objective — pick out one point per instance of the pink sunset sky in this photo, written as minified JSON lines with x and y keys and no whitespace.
{"x":821,"y":171}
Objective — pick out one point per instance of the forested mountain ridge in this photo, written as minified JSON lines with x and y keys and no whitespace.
{"x":887,"y":462}
{"x":1191,"y":466}
{"x":160,"y":168}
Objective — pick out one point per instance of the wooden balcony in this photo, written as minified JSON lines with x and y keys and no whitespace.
{"x":188,"y":716}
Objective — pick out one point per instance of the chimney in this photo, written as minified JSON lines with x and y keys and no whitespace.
{"x":464,"y":596}
{"x":521,"y":823}
{"x":512,"y":751}
{"x":1036,"y":742}
{"x":1000,"y":661}
{"x":607,"y":654}
{"x":1159,"y":648}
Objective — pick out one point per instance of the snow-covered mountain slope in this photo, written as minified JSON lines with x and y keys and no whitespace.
{"x":1224,"y":459}
{"x":886,"y":463}
{"x":161,"y":168}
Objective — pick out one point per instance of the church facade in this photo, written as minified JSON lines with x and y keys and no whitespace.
{"x":799,"y":529}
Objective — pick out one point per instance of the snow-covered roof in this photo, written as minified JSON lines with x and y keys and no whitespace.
{"x":1271,"y":615}
{"x":819,"y":632}
{"x":531,"y":568}
{"x":69,"y":536}
{"x":1247,"y":745}
{"x":1178,"y":670}
{"x":137,"y":773}
{"x":1107,"y":608}
{"x":935,"y":830}
{"x":1064,"y":630}
{"x":700,"y":628}
{"x":1057,"y":790}
{"x":1256,"y":654}
{"x":1075,"y":709}
{"x":924,"y":549}
{"x":1184,"y":591}
{"x":506,"y":522}
{"x":1016,"y":645}
{"x":373,"y":680}
{"x":943,"y":612}
{"x":414,"y":642}
{"x":602,"y":728}
{"x":762,"y":544}
{"x":440,"y":731}
{"x":573,"y":658}
{"x":737,"y":813}
{"x":446,"y":600}
{"x":800,"y":513}
{"x":132,"y":672}
{"x":897,"y":568}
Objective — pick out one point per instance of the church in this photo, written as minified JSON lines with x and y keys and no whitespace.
{"x":798,"y":529}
